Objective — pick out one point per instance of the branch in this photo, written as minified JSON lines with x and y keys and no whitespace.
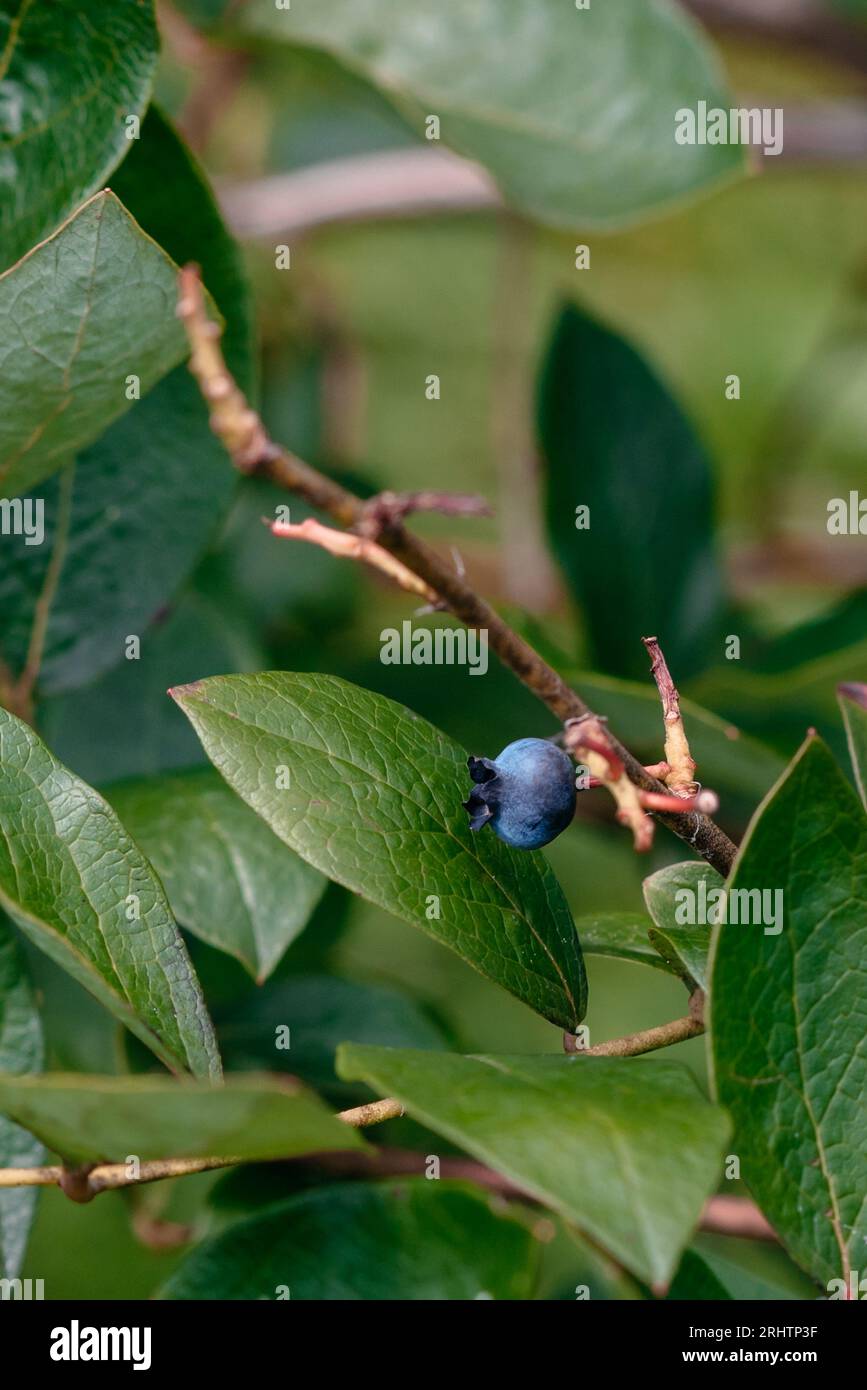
{"x":253,"y":452}
{"x":651,"y":1040}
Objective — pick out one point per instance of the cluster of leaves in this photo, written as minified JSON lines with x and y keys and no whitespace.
{"x":100,"y":418}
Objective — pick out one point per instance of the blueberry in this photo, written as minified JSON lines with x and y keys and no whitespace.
{"x":527,"y":793}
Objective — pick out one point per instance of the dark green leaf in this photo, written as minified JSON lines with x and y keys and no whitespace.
{"x":416,"y":1239}
{"x":72,"y":73}
{"x":229,"y":880}
{"x":615,"y":441}
{"x":853,"y":703}
{"x":681,"y":899}
{"x":374,"y":801}
{"x":182,"y":480}
{"x":623,"y":935}
{"x":572,"y":112}
{"x":106,"y":1118}
{"x":75,"y":883}
{"x":788,"y":1040}
{"x":319,"y":1012}
{"x":20,"y":1051}
{"x":82,"y":312}
{"x":626,"y":1148}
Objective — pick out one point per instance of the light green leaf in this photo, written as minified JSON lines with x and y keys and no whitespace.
{"x":787,"y":1016}
{"x":626,"y":1148}
{"x":72,"y":72}
{"x":103,"y":1119}
{"x":229,"y":880}
{"x":853,"y":703}
{"x":21,"y":1050}
{"x":75,"y":883}
{"x":83,"y":311}
{"x":623,"y":935}
{"x":401,"y":1241}
{"x":684,"y":944}
{"x":181,"y":481}
{"x":374,"y":801}
{"x":573,"y":112}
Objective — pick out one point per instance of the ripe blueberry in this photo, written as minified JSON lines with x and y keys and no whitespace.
{"x":527,"y":793}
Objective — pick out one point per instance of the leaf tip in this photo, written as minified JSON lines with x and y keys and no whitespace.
{"x":193,"y":691}
{"x":855,"y":691}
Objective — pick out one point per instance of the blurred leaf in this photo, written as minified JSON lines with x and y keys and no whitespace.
{"x":125,"y":725}
{"x":853,"y":703}
{"x":616,"y":442}
{"x":78,"y":315}
{"x":69,"y":876}
{"x":320,"y":1012}
{"x":72,"y":73}
{"x":106,"y":1118}
{"x":626,"y":1148}
{"x":374,"y":801}
{"x":788,"y":1043}
{"x":682,"y":943}
{"x":403,"y":1241}
{"x":157,"y":472}
{"x":572,"y":112}
{"x":709,"y":1273}
{"x":21,"y":1050}
{"x":623,"y":935}
{"x":696,"y":1279}
{"x":228,"y":879}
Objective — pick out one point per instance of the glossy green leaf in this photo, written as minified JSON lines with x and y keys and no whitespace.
{"x":408,"y":1240}
{"x":106,"y":1118}
{"x":615,"y":441}
{"x":81,"y":313}
{"x":681,"y":900}
{"x":573,"y":112}
{"x":371,"y":796}
{"x":853,"y":703}
{"x":626,"y":1148}
{"x":181,"y":482}
{"x":71,"y":74}
{"x":75,"y":883}
{"x":787,"y":1016}
{"x":623,"y":935}
{"x":229,"y":880}
{"x":21,"y":1050}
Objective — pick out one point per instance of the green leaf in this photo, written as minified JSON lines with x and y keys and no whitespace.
{"x":374,"y":801}
{"x":609,"y":429}
{"x":139,"y":731}
{"x":229,"y":880}
{"x":683,"y":916}
{"x":69,"y":878}
{"x":81,"y":312}
{"x":727,"y":758}
{"x":623,"y":935}
{"x":21,"y":1050}
{"x":71,"y":75}
{"x":103,"y":1119}
{"x":403,"y":1241}
{"x":572,"y":112}
{"x":853,"y":703}
{"x":788,"y":1042}
{"x":757,"y":1274}
{"x":321,"y":1011}
{"x":626,"y":1148}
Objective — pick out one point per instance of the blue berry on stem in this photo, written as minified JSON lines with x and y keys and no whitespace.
{"x":526,"y":794}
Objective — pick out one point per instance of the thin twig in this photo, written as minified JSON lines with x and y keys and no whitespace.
{"x":350,"y":546}
{"x":680,"y":778}
{"x":651,"y":1039}
{"x":253,"y":451}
